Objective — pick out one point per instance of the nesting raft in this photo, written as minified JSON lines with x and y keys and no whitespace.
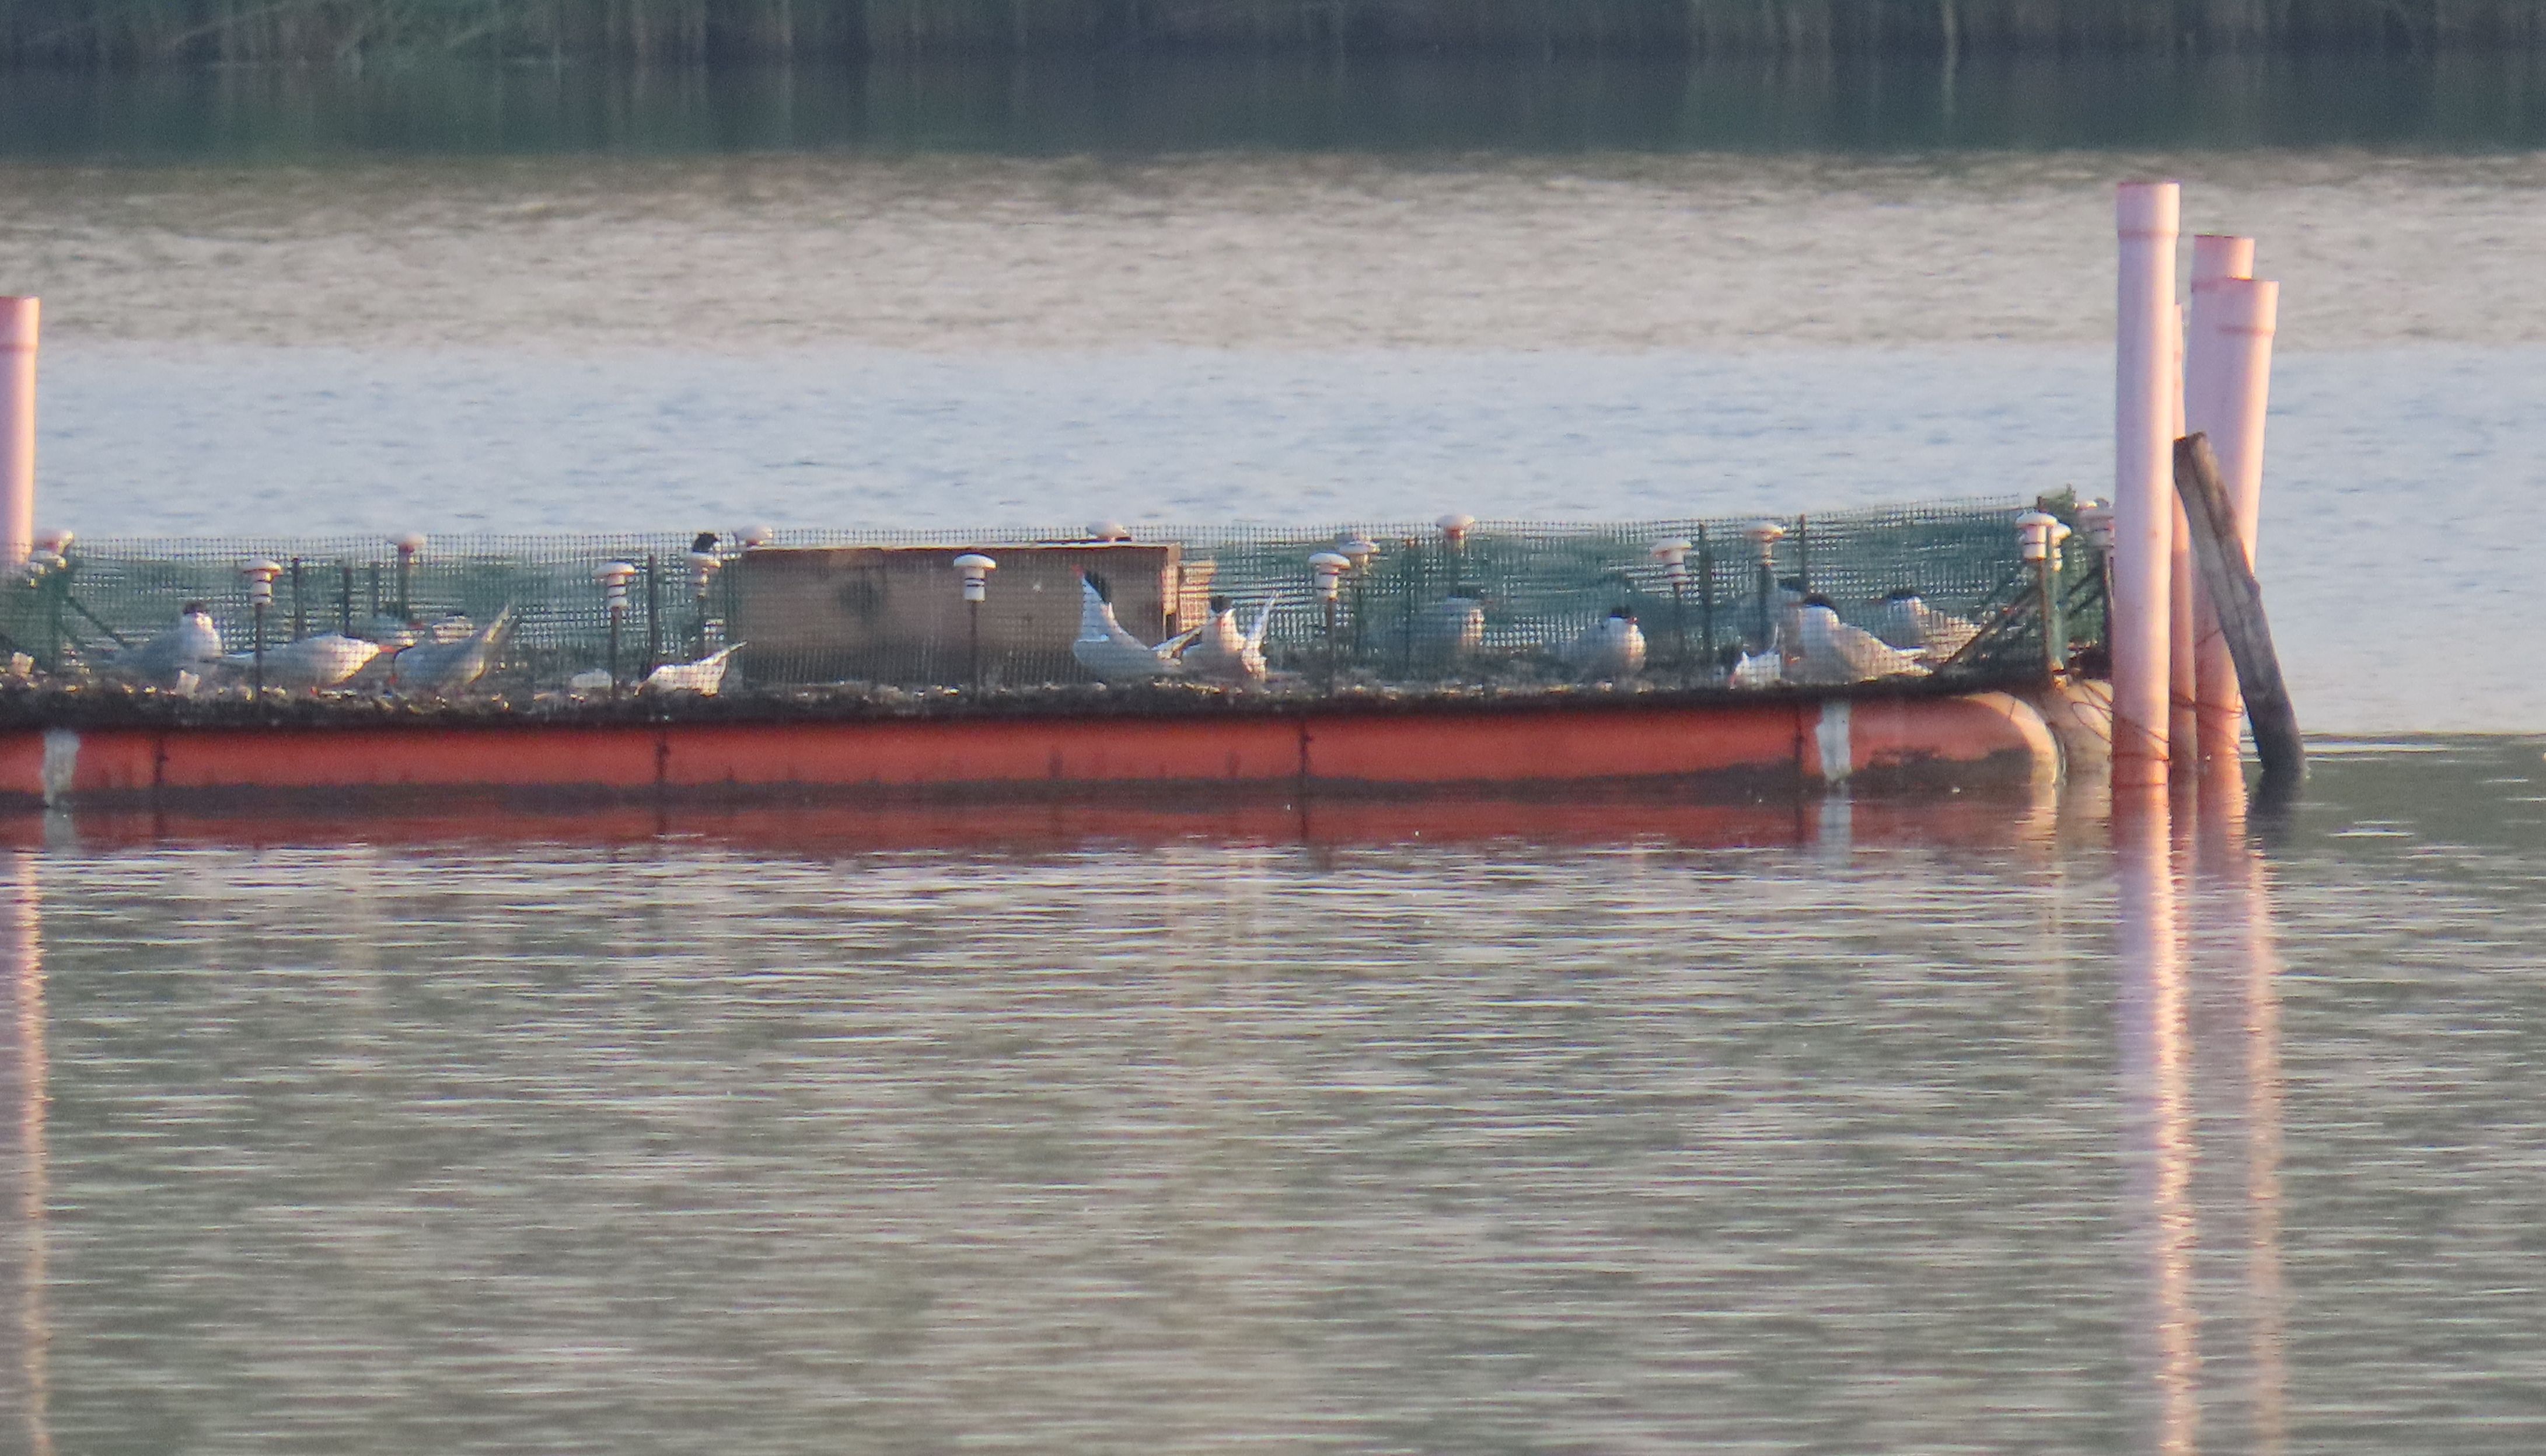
{"x":148,"y":747}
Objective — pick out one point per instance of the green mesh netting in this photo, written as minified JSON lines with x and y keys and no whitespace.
{"x":1398,"y":617}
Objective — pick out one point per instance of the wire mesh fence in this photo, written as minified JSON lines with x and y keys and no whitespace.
{"x":1938,"y":591}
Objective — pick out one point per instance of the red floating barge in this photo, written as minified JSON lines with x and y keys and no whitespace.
{"x":1782,"y":742}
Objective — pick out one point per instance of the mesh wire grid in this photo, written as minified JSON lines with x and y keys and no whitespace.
{"x":1537,"y":586}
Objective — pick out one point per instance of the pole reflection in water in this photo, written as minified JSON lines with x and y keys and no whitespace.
{"x":2201,"y":1072}
{"x":24,"y":1329}
{"x":2262,"y":1156}
{"x":2155,"y":1083}
{"x":2235,"y":947}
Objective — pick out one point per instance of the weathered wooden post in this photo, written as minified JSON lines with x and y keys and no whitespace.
{"x":19,"y":319}
{"x":2240,"y":600}
{"x":2146,"y":223}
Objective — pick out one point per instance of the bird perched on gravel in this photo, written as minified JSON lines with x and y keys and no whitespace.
{"x":191,"y":646}
{"x":703,"y":677}
{"x":1910,"y":624}
{"x":1104,"y":648}
{"x":1828,"y":650}
{"x":1757,"y":670}
{"x":322,"y":661}
{"x":1611,"y":647}
{"x":445,"y":668}
{"x":1222,"y":654}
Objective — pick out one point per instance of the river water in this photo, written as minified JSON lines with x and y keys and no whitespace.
{"x":1950,"y":1125}
{"x":1940,"y":1127}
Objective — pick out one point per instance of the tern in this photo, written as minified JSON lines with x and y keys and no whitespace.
{"x":1758,"y":670}
{"x":1222,"y":654}
{"x":1613,"y":646}
{"x":1910,"y":624}
{"x":449,"y":668}
{"x":314,"y":662}
{"x":1113,"y":654}
{"x":189,"y":647}
{"x":703,"y":677}
{"x":1829,"y":650}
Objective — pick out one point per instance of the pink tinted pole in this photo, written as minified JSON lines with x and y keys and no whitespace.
{"x":17,"y":320}
{"x":2248,"y":311}
{"x":2216,"y":261}
{"x":2146,"y":216}
{"x":2181,"y":684}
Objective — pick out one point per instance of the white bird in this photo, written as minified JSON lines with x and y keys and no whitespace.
{"x":191,"y":646}
{"x":589,"y":681}
{"x":703,"y":677}
{"x":322,"y":661}
{"x":1456,"y":628}
{"x":1829,"y":650}
{"x":1790,"y":602}
{"x":1910,"y":624}
{"x":446,"y":668}
{"x":1758,"y":670}
{"x":1222,"y":654}
{"x":1613,"y":646}
{"x":1104,"y":648}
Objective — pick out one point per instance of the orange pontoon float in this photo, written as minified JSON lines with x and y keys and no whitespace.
{"x":1780,"y":743}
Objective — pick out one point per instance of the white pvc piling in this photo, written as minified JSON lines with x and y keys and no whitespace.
{"x":2146,"y":217}
{"x":19,"y":319}
{"x":2246,"y":311}
{"x":2217,"y":260}
{"x":2249,"y":312}
{"x":2181,"y":684}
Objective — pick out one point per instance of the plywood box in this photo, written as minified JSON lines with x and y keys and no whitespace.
{"x":896,"y":613}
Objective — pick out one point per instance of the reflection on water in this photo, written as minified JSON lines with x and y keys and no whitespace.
{"x":2201,"y":1063}
{"x":1182,"y":103}
{"x":24,"y":1330}
{"x":2154,"y":1054}
{"x":1854,"y":1129}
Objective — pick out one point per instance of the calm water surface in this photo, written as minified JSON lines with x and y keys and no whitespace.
{"x":1355,"y":1128}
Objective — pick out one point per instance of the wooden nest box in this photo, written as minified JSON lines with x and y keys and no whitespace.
{"x":896,"y":613}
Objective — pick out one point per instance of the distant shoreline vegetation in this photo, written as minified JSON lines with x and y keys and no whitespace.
{"x":354,"y":33}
